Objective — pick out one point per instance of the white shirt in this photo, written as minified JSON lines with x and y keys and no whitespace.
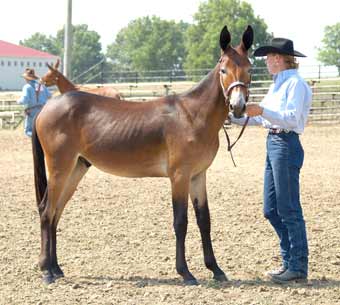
{"x":286,"y":104}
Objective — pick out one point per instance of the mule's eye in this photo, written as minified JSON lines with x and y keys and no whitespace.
{"x":223,"y":71}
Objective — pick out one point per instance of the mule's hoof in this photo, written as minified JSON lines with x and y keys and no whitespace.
{"x":48,"y":278}
{"x":57,"y":273}
{"x":220,"y":277}
{"x":191,"y":282}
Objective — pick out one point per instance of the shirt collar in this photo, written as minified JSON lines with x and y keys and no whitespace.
{"x":32,"y":82}
{"x":282,"y":76}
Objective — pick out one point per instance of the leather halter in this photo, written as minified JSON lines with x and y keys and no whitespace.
{"x":55,"y":80}
{"x":227,"y":93}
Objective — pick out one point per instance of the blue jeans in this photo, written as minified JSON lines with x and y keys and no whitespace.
{"x":282,"y":198}
{"x":29,"y":119}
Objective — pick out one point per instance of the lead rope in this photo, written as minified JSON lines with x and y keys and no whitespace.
{"x":226,"y":95}
{"x":230,"y":146}
{"x":37,"y":92}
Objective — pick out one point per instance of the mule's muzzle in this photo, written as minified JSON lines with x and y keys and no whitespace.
{"x":231,"y":108}
{"x":237,"y":100}
{"x":238,"y":111}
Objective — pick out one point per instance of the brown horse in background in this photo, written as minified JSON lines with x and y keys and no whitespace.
{"x":55,"y":78}
{"x":175,"y":136}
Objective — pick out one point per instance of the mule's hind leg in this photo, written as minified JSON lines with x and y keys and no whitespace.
{"x":198,"y":196}
{"x":180,"y":190}
{"x":71,"y":184}
{"x":59,"y":170}
{"x":44,"y":257}
{"x":48,"y":206}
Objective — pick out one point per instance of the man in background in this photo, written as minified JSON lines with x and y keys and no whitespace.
{"x":34,"y":97}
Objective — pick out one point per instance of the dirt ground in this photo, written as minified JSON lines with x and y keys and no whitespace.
{"x":117,"y":246}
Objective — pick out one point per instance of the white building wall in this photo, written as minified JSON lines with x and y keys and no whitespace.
{"x":11,"y":69}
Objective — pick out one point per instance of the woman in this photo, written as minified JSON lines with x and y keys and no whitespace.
{"x":284,"y":111}
{"x":34,"y":96}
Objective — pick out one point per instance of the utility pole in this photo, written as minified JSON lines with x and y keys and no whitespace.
{"x":68,"y":40}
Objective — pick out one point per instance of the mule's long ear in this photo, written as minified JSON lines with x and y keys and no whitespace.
{"x":50,"y":67}
{"x":247,"y":38}
{"x":224,"y":38}
{"x":56,"y":65}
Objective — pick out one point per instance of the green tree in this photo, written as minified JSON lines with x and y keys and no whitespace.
{"x":41,"y":42}
{"x":330,"y":53}
{"x":149,"y":43}
{"x":86,"y":52}
{"x":203,"y":36}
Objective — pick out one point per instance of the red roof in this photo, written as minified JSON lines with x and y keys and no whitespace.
{"x":12,"y":50}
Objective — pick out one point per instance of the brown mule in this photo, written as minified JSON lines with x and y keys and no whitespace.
{"x":174,"y":136}
{"x":55,"y":78}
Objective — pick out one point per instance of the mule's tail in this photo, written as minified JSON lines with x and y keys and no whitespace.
{"x":40,"y":180}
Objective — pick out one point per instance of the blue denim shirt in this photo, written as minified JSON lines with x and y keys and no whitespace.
{"x":29,"y":98}
{"x":286,"y":104}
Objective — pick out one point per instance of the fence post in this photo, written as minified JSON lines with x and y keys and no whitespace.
{"x":102,"y":73}
{"x":319,"y":73}
{"x":167,"y":89}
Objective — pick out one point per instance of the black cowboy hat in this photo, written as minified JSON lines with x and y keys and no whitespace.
{"x":278,"y":45}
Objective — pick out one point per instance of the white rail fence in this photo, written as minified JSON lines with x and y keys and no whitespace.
{"x":325,"y":106}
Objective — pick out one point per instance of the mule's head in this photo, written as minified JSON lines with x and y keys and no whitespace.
{"x":234,"y":70}
{"x":51,"y":77}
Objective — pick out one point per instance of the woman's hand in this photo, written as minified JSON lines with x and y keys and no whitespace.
{"x":253,"y":109}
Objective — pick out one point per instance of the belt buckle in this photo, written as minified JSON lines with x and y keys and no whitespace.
{"x":275,"y":130}
{"x":278,"y":130}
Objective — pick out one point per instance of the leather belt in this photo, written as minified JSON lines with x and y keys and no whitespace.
{"x":278,"y":130}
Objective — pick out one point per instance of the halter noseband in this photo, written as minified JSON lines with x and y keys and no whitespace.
{"x":227,"y":91}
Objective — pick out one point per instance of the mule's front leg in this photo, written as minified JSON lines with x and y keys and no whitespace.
{"x":198,"y":196}
{"x":180,"y":210}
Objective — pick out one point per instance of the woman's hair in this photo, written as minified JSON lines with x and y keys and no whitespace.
{"x":290,"y":62}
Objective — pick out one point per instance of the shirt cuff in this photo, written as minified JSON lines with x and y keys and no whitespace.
{"x":268,"y":114}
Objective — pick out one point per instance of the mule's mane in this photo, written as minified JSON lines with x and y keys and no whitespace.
{"x":202,"y":85}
